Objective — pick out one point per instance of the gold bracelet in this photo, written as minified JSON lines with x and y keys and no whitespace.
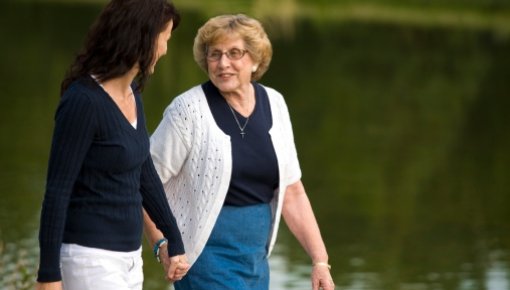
{"x":322,"y":264}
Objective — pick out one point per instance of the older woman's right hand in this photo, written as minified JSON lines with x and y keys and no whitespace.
{"x":49,"y":286}
{"x":178,"y":268}
{"x":175,"y":267}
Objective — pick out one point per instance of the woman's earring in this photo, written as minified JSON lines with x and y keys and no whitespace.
{"x":254,"y":68}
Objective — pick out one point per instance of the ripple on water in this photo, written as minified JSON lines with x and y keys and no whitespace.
{"x":18,"y":264}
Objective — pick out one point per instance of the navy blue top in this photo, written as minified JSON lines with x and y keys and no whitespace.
{"x":100,"y":174}
{"x":254,"y":164}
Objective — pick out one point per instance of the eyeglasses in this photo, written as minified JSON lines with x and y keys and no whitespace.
{"x":232,"y":54}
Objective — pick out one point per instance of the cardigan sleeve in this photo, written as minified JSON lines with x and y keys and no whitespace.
{"x":292,"y":169}
{"x":170,"y":142}
{"x":73,"y":134}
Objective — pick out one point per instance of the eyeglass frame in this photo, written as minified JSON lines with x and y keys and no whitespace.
{"x":227,"y":53}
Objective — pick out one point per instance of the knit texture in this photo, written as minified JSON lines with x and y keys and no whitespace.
{"x":193,"y":158}
{"x":100,"y":174}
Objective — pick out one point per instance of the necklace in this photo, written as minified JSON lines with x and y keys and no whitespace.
{"x":241,"y":128}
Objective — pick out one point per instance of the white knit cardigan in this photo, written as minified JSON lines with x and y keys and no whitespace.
{"x":193,"y":158}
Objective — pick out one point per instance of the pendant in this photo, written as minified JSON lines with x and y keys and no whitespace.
{"x":242,"y":134}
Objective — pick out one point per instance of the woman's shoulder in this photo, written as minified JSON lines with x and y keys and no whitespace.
{"x":188,"y":101}
{"x":274,"y":96}
{"x":78,"y":102}
{"x":82,"y":90}
{"x":186,"y":110}
{"x":271,"y":92}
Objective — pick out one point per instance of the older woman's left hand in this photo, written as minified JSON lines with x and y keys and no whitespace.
{"x":321,"y":278}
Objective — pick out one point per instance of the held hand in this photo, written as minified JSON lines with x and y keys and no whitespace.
{"x":178,"y":267}
{"x":321,"y":278}
{"x":49,"y":286}
{"x":167,"y":262}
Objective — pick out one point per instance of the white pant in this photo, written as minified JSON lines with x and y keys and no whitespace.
{"x":85,"y":268}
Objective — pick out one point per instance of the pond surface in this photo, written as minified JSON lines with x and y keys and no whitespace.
{"x":402,"y":133}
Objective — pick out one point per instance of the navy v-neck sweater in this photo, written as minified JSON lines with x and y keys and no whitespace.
{"x":100,"y":174}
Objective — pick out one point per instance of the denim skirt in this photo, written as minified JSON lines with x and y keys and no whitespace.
{"x":235,"y":255}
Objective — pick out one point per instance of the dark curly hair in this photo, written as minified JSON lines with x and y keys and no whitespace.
{"x":123,"y":35}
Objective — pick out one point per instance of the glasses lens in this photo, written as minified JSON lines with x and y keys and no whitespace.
{"x":214,"y":55}
{"x":235,"y":53}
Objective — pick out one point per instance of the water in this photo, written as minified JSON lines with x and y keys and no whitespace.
{"x":402,"y":133}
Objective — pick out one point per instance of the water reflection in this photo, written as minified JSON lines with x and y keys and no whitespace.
{"x":285,"y":276}
{"x":402,"y":133}
{"x":17,"y":264}
{"x":497,"y":272}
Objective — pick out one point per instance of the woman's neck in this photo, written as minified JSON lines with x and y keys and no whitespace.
{"x":243,"y":101}
{"x":120,"y":87}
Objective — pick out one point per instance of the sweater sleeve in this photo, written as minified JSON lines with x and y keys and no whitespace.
{"x":156,"y":205}
{"x":169,"y":146}
{"x":72,"y":136}
{"x":292,"y":169}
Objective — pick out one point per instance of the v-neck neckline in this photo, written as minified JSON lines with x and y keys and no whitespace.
{"x":117,"y":108}
{"x":121,"y":114}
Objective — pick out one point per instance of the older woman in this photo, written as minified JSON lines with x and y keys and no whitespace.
{"x":226,"y":155}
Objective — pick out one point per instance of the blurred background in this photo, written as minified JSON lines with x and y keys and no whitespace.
{"x":401,"y":116}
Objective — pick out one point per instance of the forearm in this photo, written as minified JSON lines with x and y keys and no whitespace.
{"x":152,"y":233}
{"x":299,"y":217}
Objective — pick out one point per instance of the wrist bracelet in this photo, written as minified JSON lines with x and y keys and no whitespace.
{"x":322,"y":264}
{"x":157,"y":246}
